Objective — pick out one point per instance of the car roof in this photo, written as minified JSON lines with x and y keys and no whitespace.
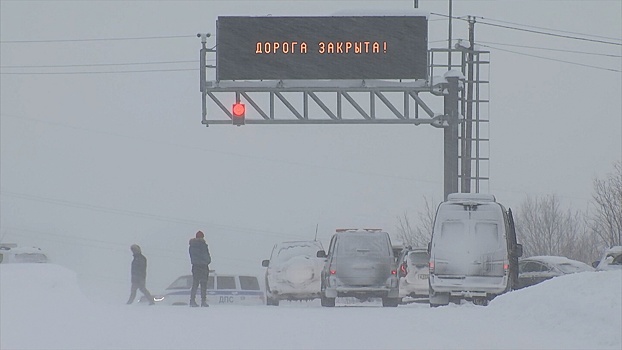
{"x":614,"y":250}
{"x":551,"y":259}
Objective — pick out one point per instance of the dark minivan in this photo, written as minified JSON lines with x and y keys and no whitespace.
{"x":360,"y":264}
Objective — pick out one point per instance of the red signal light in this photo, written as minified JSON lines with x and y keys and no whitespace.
{"x":239,"y":111}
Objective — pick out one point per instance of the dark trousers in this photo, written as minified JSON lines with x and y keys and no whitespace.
{"x":200,"y":273}
{"x":139,"y":285}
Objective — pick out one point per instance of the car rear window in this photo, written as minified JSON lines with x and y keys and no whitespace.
{"x":572,"y":268}
{"x":31,"y":258}
{"x":287,"y":252}
{"x":419,"y":258}
{"x":184,"y":282}
{"x":364,"y":245}
{"x":487,"y":236}
{"x":249,"y":283}
{"x":225,"y":282}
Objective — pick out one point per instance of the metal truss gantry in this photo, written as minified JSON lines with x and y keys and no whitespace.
{"x":463,"y":119}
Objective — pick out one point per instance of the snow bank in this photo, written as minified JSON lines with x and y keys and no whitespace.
{"x":42,"y":307}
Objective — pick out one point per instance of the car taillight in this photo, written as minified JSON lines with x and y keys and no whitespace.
{"x":506,"y":267}
{"x":394,"y":272}
{"x":403,"y":270}
{"x":332,"y":272}
{"x":431,"y":266}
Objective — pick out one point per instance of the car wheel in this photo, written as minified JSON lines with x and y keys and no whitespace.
{"x":272,"y":301}
{"x":480,"y":301}
{"x":438,"y":299}
{"x":390,"y":302}
{"x":327,"y":302}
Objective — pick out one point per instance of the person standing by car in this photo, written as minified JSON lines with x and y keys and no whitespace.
{"x":139,"y":275}
{"x":200,"y":260}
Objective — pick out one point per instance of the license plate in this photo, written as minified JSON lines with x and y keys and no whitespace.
{"x":423,"y":276}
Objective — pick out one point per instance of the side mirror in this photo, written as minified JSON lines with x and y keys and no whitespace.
{"x":595,"y":263}
{"x":265,"y":263}
{"x":519,"y":250}
{"x":321,"y":254}
{"x":429,"y":247}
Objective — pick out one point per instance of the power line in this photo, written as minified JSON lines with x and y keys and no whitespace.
{"x":228,"y":153}
{"x":135,"y":213}
{"x":551,"y":49}
{"x":99,"y":72}
{"x":551,"y":34}
{"x":550,"y":29}
{"x":95,"y":39}
{"x":536,"y":31}
{"x":554,"y":59}
{"x":97,"y":64}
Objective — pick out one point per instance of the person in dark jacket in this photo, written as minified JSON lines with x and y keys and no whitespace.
{"x":139,"y":275}
{"x":200,"y":260}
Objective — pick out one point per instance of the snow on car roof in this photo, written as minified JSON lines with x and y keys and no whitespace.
{"x":555,"y":260}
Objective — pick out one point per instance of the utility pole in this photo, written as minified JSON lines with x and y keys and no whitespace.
{"x":449,"y":42}
{"x":467,"y":126}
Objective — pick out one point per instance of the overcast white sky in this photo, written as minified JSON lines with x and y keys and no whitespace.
{"x":94,"y":162}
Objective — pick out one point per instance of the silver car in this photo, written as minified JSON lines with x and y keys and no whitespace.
{"x":611,"y":260}
{"x":293,"y":272}
{"x":360,"y":264}
{"x":413,"y":272}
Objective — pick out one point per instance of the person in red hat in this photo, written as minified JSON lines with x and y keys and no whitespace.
{"x":200,"y":260}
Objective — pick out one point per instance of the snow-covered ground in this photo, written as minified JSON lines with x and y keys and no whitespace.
{"x":43,"y":307}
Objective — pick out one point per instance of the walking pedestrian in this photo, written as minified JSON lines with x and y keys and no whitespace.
{"x":200,"y":260}
{"x":139,"y":275}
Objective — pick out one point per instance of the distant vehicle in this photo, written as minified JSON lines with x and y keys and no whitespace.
{"x":221,"y":290}
{"x":413,"y":272}
{"x":536,"y":269}
{"x":473,"y":252}
{"x":360,"y":264}
{"x":611,"y":260}
{"x":293,"y":272}
{"x":12,"y":253}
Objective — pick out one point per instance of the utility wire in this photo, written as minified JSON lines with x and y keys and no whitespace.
{"x":535,"y":31}
{"x":95,"y":39}
{"x":97,"y":64}
{"x":554,"y":59}
{"x":139,"y":214}
{"x":551,"y":34}
{"x":550,"y":29}
{"x":551,"y":49}
{"x":94,"y":72}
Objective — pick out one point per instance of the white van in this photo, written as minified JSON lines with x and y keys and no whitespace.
{"x":473,"y":252}
{"x":12,"y":253}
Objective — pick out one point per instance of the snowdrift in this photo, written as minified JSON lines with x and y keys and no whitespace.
{"x":42,"y":307}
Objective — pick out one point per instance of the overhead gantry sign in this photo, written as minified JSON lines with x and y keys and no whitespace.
{"x":320,"y":70}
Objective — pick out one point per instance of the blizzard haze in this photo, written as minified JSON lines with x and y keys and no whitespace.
{"x":96,"y":156}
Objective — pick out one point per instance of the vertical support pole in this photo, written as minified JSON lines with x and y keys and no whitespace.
{"x":450,"y":31}
{"x":203,"y":77}
{"x":450,"y":134}
{"x":467,"y":136}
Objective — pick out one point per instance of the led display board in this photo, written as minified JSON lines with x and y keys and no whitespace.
{"x":352,"y":47}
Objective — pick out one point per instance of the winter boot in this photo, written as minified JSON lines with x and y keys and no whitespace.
{"x":204,"y":304}
{"x":193,"y":303}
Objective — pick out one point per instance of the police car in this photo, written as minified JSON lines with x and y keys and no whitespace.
{"x":221,"y":290}
{"x":12,"y":253}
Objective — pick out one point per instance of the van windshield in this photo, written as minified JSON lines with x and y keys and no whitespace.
{"x":364,"y":245}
